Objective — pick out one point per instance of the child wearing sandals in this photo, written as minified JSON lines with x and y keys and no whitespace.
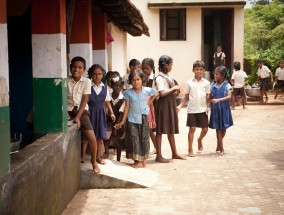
{"x":79,"y":89}
{"x":99,"y":96}
{"x":197,"y":96}
{"x":116,"y":136}
{"x":148,"y":69}
{"x":166,"y":111}
{"x":136,"y":119}
{"x":221,"y":116}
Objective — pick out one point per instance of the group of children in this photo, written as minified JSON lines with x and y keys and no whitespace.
{"x":126,"y":111}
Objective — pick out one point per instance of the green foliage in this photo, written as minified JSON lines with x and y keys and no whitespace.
{"x":264,"y":35}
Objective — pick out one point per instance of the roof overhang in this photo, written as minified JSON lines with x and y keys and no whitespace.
{"x":124,"y":15}
{"x":180,"y":3}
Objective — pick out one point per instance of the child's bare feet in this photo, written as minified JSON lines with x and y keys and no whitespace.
{"x":101,"y":161}
{"x":177,"y":156}
{"x":162,"y":160}
{"x":221,"y":153}
{"x":96,"y":168}
{"x":266,"y":100}
{"x":144,"y":163}
{"x":217,"y":148}
{"x":191,"y":154}
{"x":83,"y":160}
{"x":200,"y":145}
{"x":137,"y":164}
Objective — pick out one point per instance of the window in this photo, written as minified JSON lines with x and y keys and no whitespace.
{"x":172,"y":24}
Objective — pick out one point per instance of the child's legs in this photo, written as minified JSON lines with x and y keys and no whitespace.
{"x":84,"y":144}
{"x":190,"y":139}
{"x":118,"y":155}
{"x":153,"y":137}
{"x":175,"y":155}
{"x":106,"y":144}
{"x":99,"y":151}
{"x":158,"y":141}
{"x":220,"y":133}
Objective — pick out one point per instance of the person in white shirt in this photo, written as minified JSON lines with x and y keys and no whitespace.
{"x":197,"y":96}
{"x":264,"y":74}
{"x":238,"y":81}
{"x":279,"y":77}
{"x":134,"y":64}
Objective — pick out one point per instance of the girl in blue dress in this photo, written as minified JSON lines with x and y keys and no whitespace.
{"x":221,"y":116}
{"x":136,"y":118}
{"x":99,"y":97}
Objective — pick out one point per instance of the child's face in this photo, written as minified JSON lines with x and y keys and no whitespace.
{"x":117,"y":87}
{"x":281,"y":65}
{"x":169,"y":67}
{"x":135,"y":67}
{"x":136,"y":82}
{"x":146,"y":69}
{"x":198,"y":71}
{"x":97,"y":75}
{"x":217,"y":76}
{"x":219,"y":49}
{"x":77,"y":69}
{"x":259,"y":64}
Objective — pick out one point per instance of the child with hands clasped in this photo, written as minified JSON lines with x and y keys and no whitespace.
{"x":135,"y":116}
{"x":99,"y":97}
{"x":79,"y":89}
{"x":221,"y":116}
{"x":197,"y":95}
{"x":166,"y":111}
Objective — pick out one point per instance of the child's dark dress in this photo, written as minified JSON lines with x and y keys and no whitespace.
{"x":116,"y":139}
{"x":97,"y":113}
{"x":221,"y":116}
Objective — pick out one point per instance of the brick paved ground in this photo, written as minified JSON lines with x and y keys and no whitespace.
{"x":249,"y":179}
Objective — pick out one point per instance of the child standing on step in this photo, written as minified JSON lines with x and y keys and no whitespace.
{"x":166,"y":111}
{"x":136,"y":119}
{"x":279,"y":77}
{"x":79,"y":89}
{"x":117,"y":136}
{"x":99,"y":96}
{"x":221,"y":116}
{"x":197,"y":95}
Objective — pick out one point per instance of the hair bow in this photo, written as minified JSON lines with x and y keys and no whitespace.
{"x":115,"y":79}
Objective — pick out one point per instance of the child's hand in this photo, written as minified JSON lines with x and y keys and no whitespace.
{"x":178,"y":109}
{"x":214,"y":101}
{"x":154,"y":124}
{"x":207,"y":110}
{"x":113,"y":117}
{"x":77,"y":121}
{"x":119,"y":125}
{"x":176,"y":87}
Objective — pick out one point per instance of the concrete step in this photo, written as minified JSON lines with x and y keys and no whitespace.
{"x":116,"y":174}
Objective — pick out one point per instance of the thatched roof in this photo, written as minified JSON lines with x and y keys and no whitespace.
{"x":124,"y":15}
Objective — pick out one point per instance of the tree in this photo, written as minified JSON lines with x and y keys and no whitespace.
{"x":264,"y":34}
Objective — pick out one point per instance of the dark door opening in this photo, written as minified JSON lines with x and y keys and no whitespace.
{"x":218,"y":27}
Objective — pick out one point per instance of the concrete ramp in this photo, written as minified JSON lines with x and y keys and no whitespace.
{"x":115,"y":174}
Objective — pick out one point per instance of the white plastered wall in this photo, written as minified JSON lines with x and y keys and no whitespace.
{"x":116,"y":50}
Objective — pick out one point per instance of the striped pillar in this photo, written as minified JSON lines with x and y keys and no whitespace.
{"x":99,"y":40}
{"x":49,"y":66}
{"x":4,"y":94}
{"x":81,"y":32}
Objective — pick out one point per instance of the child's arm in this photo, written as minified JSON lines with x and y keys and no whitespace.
{"x":183,"y":102}
{"x":271,"y":77}
{"x":125,"y":113}
{"x":228,"y":97}
{"x":208,"y":98}
{"x":153,"y":115}
{"x":84,"y":101}
{"x":152,"y":98}
{"x":107,"y":103}
{"x":164,"y":93}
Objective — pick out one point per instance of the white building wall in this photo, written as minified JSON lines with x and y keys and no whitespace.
{"x":184,"y":53}
{"x":116,"y":51}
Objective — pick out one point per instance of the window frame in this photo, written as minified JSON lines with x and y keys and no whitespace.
{"x":166,"y":16}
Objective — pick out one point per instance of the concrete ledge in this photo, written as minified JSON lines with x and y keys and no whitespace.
{"x":116,"y":175}
{"x":43,"y":177}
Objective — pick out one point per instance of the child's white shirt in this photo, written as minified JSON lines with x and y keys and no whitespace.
{"x":239,"y":78}
{"x":279,"y":73}
{"x":197,"y":95}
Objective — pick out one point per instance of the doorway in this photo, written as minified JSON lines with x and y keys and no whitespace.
{"x":218,"y":27}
